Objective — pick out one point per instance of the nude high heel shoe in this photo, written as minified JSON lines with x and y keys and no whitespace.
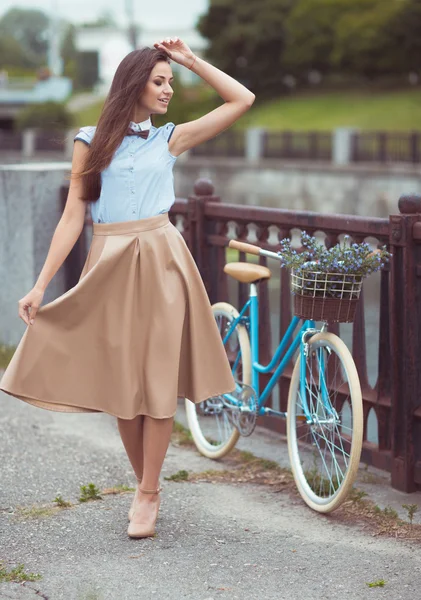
{"x":131,"y":511}
{"x":140,"y":530}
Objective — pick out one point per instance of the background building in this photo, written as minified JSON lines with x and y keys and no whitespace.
{"x":113,"y":43}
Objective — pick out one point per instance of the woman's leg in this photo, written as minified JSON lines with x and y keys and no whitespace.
{"x":131,"y":433}
{"x":156,"y":439}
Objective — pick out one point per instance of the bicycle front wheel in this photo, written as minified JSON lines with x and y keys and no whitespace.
{"x":325,"y":423}
{"x":210,"y":424}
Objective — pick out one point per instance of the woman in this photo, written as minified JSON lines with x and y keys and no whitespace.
{"x":137,"y":331}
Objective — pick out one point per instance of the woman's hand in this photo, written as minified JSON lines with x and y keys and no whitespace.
{"x":29,"y":305}
{"x":177,"y":50}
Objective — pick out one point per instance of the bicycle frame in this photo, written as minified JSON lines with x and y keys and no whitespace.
{"x":282,"y":356}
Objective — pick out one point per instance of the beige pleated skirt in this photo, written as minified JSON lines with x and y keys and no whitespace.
{"x":135,"y":333}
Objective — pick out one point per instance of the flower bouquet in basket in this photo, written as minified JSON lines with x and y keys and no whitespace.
{"x":327,"y":283}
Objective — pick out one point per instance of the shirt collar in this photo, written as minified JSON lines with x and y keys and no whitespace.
{"x":141,"y":126}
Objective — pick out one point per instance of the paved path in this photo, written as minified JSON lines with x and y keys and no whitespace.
{"x":214,"y":540}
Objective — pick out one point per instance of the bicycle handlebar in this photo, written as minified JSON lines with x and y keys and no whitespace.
{"x":244,"y":247}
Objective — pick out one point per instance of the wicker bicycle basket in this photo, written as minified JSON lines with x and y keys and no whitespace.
{"x":329,"y":297}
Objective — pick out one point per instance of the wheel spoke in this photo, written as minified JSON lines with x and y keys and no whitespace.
{"x":212,"y":427}
{"x":324,"y":451}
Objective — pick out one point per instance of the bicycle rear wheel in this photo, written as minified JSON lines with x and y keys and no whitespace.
{"x":325,"y":424}
{"x":210,"y":424}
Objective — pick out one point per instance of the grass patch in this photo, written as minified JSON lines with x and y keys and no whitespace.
{"x":411,"y":509}
{"x":89,"y":492}
{"x":378,"y":583}
{"x":17,"y":574}
{"x":35,"y":511}
{"x":388,"y":512}
{"x":61,"y":502}
{"x":179,"y":476}
{"x":356,"y":495}
{"x":118,"y":489}
{"x":6,"y":353}
{"x":247,"y":456}
{"x":398,"y":110}
{"x":181,"y":436}
{"x":245,"y":467}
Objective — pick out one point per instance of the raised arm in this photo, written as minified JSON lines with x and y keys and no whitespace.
{"x":65,"y":236}
{"x":238,"y":98}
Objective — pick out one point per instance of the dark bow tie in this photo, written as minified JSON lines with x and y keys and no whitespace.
{"x":143,"y":134}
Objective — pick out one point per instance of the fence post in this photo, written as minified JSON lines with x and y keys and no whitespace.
{"x":405,"y":342}
{"x":28,"y":143}
{"x":205,"y":256}
{"x":382,"y":142}
{"x":254,"y":143}
{"x":414,"y":145}
{"x":342,"y":145}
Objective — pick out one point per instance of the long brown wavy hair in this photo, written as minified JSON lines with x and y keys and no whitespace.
{"x":129,"y":81}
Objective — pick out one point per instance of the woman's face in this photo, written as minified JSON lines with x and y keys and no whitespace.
{"x":158,"y":90}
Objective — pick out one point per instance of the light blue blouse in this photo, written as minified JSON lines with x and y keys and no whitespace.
{"x":138,"y":183}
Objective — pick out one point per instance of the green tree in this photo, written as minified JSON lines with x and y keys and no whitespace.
{"x":68,"y":49}
{"x":12,"y":53}
{"x":69,"y":54}
{"x":365,"y":39}
{"x":47,"y":115}
{"x":29,"y":27}
{"x":105,"y":19}
{"x":247,"y":40}
{"x":407,"y":28}
{"x":310,"y":34}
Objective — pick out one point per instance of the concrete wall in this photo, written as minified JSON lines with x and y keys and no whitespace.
{"x":29,"y":213}
{"x":357,"y":189}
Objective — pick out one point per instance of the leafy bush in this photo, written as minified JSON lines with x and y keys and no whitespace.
{"x":47,"y":115}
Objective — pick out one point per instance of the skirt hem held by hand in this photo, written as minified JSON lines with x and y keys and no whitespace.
{"x":135,"y":333}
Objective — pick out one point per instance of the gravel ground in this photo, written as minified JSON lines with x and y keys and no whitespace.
{"x":213,"y":540}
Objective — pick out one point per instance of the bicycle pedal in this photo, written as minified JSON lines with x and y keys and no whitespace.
{"x":244,"y":415}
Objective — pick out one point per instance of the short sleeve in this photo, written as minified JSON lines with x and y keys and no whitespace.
{"x":168,"y":130}
{"x":85,"y":134}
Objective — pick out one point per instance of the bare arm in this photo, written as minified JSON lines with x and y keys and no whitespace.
{"x":238,"y":99}
{"x":65,"y":236}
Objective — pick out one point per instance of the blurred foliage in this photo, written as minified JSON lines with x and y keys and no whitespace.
{"x":6,"y":353}
{"x":68,"y":49}
{"x":23,"y":46}
{"x":273,"y":45}
{"x":12,"y":54}
{"x":186,"y":104}
{"x":247,"y":40}
{"x":47,"y":115}
{"x":29,"y":29}
{"x":88,"y":115}
{"x":86,"y":70}
{"x":105,"y":19}
{"x":80,"y":67}
{"x":381,"y":110}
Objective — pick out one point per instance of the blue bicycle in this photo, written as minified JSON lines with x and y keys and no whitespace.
{"x":324,"y":418}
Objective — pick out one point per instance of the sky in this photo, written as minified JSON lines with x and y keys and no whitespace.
{"x":151,"y":14}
